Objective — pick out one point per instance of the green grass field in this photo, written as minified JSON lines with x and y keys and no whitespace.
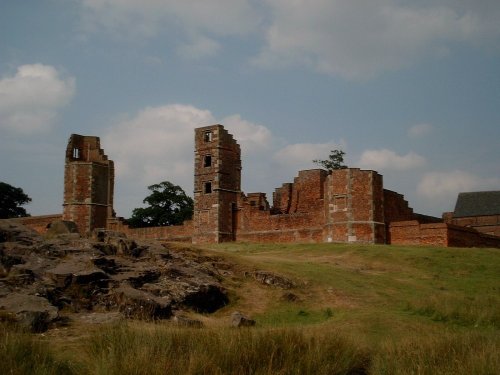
{"x":355,"y":310}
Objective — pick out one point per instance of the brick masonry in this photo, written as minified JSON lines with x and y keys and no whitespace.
{"x":347,"y":205}
{"x":88,"y":184}
{"x":488,"y":224}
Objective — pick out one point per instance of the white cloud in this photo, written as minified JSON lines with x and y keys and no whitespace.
{"x":252,"y":137}
{"x":358,"y":39}
{"x":387,"y":159}
{"x":156,"y":144}
{"x":435,"y":185}
{"x":420,"y":130}
{"x":301,"y":155}
{"x":198,"y":21}
{"x":30,"y":100}
{"x":352,"y":39}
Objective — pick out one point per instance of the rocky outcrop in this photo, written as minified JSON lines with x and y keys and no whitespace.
{"x":61,"y":274}
{"x":272,"y":279}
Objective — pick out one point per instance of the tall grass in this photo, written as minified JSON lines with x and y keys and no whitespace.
{"x":166,"y":350}
{"x":448,"y":353}
{"x":146,"y":348}
{"x":475,"y":311}
{"x":359,"y":310}
{"x":21,"y":353}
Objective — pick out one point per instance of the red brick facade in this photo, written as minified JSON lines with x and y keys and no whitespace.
{"x":217,"y":185}
{"x":488,"y":224}
{"x":439,"y":234}
{"x":88,"y":184}
{"x":345,"y":205}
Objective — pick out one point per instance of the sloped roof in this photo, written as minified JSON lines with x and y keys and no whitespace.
{"x":479,"y":203}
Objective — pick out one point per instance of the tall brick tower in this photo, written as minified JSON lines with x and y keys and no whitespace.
{"x":88,"y":184}
{"x":217,"y":185}
{"x":354,"y":204}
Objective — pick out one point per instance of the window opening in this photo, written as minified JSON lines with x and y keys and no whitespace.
{"x":208,"y":136}
{"x":208,"y":187}
{"x":207,"y":161}
{"x":76,"y":153}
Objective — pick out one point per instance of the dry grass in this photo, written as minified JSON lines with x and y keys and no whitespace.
{"x":359,"y":309}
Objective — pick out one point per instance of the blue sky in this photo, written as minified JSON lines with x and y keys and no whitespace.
{"x":409,"y":89}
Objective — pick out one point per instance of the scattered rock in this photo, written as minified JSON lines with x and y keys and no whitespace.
{"x":240,"y":320}
{"x":105,"y":274}
{"x":12,"y":231}
{"x":134,"y":303}
{"x":269,"y":278}
{"x":61,"y":228}
{"x":32,"y":312}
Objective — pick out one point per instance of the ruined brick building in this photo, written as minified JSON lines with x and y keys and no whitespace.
{"x":479,"y":210}
{"x":88,"y":184}
{"x":346,"y":205}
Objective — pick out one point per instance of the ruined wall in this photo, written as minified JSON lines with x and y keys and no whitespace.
{"x":439,"y":234}
{"x":88,"y":184}
{"x":39,"y":223}
{"x":179,"y":233}
{"x":485,"y":224}
{"x":396,"y":208}
{"x":217,"y":185}
{"x":297,"y":214}
{"x":354,"y":208}
{"x":346,"y":205}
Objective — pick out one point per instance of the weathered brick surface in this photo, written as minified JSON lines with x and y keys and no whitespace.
{"x":217,"y":185}
{"x":354,"y":209}
{"x":39,"y":223}
{"x":440,"y":234}
{"x":485,"y":224}
{"x":346,"y":205}
{"x":88,"y":184}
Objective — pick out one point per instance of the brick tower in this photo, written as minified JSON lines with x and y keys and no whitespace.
{"x":354,"y":207}
{"x":217,"y":185}
{"x":88,"y":184}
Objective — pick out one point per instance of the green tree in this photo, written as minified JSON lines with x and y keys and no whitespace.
{"x":168,"y":204}
{"x":11,"y":198}
{"x":335,"y":161}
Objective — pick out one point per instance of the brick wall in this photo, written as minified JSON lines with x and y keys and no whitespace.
{"x":485,"y":224}
{"x":182,"y":233}
{"x":88,"y":184}
{"x":439,"y":234}
{"x":39,"y":223}
{"x":217,"y":185}
{"x":396,"y":208}
{"x":298,"y":217}
{"x":354,"y":207}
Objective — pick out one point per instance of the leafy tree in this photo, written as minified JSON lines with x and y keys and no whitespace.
{"x":168,"y":205}
{"x":335,"y":161}
{"x":11,"y":198}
